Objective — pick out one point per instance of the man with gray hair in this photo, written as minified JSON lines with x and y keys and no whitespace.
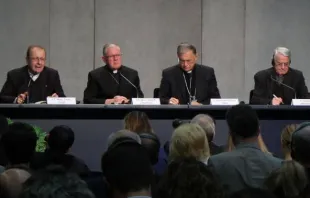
{"x":188,"y":82}
{"x":122,"y":134}
{"x":113,"y":83}
{"x":280,"y":83}
{"x":207,"y":123}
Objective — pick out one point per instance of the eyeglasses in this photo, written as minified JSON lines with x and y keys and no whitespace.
{"x":37,"y":59}
{"x":114,"y":56}
{"x":282,"y":64}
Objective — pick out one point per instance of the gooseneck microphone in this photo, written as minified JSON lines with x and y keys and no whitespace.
{"x":285,"y":85}
{"x":29,"y":83}
{"x":130,"y":83}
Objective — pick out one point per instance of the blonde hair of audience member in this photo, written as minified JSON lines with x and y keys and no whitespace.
{"x":286,"y":137}
{"x":138,"y":122}
{"x":11,"y":182}
{"x":189,"y":140}
{"x":288,"y":181}
{"x":260,"y":141}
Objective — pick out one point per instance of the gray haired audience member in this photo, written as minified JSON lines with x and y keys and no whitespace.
{"x":11,"y":182}
{"x":55,"y":182}
{"x":207,"y":123}
{"x":123,"y":134}
{"x":290,"y":181}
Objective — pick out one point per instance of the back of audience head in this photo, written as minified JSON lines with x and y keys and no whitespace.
{"x":151,"y":142}
{"x":60,"y":139}
{"x":19,"y":143}
{"x":252,"y":193}
{"x":286,"y":137}
{"x":289,"y":181}
{"x":206,"y":122}
{"x":127,"y":169}
{"x":189,"y":140}
{"x":138,"y":122}
{"x":243,"y":123}
{"x":11,"y":182}
{"x":300,"y":144}
{"x":123,"y":134}
{"x":4,"y":125}
{"x":187,"y":177}
{"x":55,"y":182}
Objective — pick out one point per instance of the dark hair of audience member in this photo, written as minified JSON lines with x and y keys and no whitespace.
{"x":152,"y":144}
{"x":243,"y":122}
{"x":188,"y":177}
{"x":252,"y":193}
{"x":55,"y":182}
{"x":289,"y":181}
{"x":19,"y":143}
{"x":127,"y":168}
{"x":138,"y":122}
{"x":60,"y":139}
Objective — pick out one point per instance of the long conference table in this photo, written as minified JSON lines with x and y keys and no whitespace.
{"x":93,"y":124}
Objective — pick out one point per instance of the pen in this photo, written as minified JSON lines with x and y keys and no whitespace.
{"x":274,"y":96}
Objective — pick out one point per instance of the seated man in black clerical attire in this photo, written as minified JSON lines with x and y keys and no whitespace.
{"x":113,"y":83}
{"x":280,"y":83}
{"x":188,"y":82}
{"x":33,"y":82}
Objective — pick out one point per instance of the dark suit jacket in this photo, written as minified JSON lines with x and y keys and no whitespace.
{"x":173,"y":85}
{"x":245,"y":166}
{"x":102,"y":86}
{"x":18,"y":79}
{"x":215,"y":149}
{"x":264,"y":86}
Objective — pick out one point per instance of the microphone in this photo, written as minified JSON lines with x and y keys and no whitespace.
{"x":285,"y":85}
{"x":29,"y":83}
{"x":130,"y":83}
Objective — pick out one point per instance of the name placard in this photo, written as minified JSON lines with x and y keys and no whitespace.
{"x":301,"y":102}
{"x":61,"y":100}
{"x":224,"y":101}
{"x":145,"y":101}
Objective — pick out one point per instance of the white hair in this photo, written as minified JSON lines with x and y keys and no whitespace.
{"x":122,"y":134}
{"x":107,"y":46}
{"x":283,"y":51}
{"x":206,"y":122}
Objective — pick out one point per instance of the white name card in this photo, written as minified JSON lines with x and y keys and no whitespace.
{"x":145,"y":101}
{"x":61,"y":100}
{"x":301,"y":102}
{"x":224,"y":101}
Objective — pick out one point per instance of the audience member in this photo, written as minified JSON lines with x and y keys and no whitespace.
{"x":138,"y":122}
{"x":11,"y":182}
{"x":246,"y":165}
{"x":59,"y":141}
{"x":286,"y":137}
{"x":189,"y":178}
{"x":151,"y":142}
{"x":290,"y":181}
{"x":55,"y":182}
{"x":19,"y":144}
{"x":121,"y":134}
{"x":300,"y":146}
{"x":127,"y":169}
{"x":189,"y":140}
{"x":207,"y":123}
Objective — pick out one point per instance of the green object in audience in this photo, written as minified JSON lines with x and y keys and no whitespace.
{"x":41,"y":143}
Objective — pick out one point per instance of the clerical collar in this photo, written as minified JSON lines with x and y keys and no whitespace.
{"x":33,"y":77}
{"x":115,"y":71}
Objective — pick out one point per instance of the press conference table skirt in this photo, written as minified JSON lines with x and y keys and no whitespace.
{"x":93,"y":123}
